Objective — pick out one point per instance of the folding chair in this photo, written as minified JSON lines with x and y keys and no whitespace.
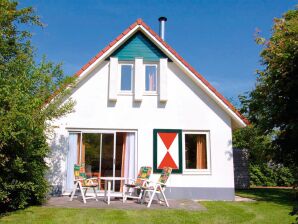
{"x":82,"y":183}
{"x":134,"y":189}
{"x":157,"y":188}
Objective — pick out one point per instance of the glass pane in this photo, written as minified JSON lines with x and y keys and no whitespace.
{"x":119,"y":163}
{"x":195,"y":151}
{"x":107,"y":155}
{"x":126,"y":77}
{"x":151,"y":73}
{"x":91,"y":153}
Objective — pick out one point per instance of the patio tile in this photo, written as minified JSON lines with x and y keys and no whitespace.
{"x":118,"y":204}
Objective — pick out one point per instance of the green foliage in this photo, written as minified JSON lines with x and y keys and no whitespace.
{"x":258,"y":176}
{"x":272,"y":108}
{"x":25,"y":119}
{"x":261,"y":153}
{"x":261,"y":149}
{"x":265,"y":175}
{"x":273,"y":104}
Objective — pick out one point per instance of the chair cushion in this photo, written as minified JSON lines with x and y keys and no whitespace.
{"x":79,"y":171}
{"x":165,"y":174}
{"x":89,"y":185}
{"x":144,"y":173}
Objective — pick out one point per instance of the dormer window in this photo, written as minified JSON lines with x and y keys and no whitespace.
{"x":126,"y":77}
{"x":150,"y":78}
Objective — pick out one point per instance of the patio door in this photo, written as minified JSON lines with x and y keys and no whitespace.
{"x":105,"y":154}
{"x":98,"y":154}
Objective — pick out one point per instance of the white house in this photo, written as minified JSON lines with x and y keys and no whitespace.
{"x":139,"y":103}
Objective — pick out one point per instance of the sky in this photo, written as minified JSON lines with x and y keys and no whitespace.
{"x":215,"y":36}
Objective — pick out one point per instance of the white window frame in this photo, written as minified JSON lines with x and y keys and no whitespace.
{"x":147,"y":92}
{"x":120,"y":64}
{"x":197,"y":171}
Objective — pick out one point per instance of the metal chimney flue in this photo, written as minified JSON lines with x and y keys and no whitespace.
{"x":162,"y":24}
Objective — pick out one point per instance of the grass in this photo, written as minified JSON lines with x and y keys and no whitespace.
{"x":272,"y":206}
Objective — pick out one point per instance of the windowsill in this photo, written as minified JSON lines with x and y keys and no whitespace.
{"x":150,"y":93}
{"x":196,"y":172}
{"x":123,"y":93}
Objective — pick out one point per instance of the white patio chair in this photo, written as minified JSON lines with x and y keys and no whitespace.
{"x":157,"y":188}
{"x":82,"y":183}
{"x":134,"y":189}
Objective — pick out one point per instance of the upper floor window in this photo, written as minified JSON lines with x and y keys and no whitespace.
{"x":196,"y":151}
{"x":151,"y":78}
{"x":126,"y":77}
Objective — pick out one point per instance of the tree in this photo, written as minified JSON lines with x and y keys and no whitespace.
{"x":272,"y":106}
{"x":25,"y":109}
{"x":260,"y":146}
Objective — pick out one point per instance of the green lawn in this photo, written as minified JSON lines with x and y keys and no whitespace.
{"x":273,"y":206}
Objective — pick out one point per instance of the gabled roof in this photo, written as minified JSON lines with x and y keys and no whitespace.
{"x":237,"y":117}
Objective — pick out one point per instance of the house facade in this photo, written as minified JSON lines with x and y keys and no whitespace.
{"x":138,"y":103}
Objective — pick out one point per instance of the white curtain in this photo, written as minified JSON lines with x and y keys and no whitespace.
{"x":71,"y":160}
{"x":130,"y":163}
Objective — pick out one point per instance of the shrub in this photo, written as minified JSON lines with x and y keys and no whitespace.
{"x":270,"y":175}
{"x":24,"y":119}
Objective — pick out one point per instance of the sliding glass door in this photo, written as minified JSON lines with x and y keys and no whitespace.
{"x":98,"y":154}
{"x":105,"y":154}
{"x":90,"y":153}
{"x":107,"y":164}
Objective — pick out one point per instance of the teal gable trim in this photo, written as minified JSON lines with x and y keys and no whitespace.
{"x":138,"y":46}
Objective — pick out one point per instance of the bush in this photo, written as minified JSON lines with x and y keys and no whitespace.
{"x":25,"y":86}
{"x":270,"y":175}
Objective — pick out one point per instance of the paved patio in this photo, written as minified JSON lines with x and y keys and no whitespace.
{"x":118,"y":204}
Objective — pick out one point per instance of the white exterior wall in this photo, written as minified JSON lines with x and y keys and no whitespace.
{"x":187,"y":108}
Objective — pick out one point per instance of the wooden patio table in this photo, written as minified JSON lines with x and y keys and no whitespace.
{"x":108,"y":184}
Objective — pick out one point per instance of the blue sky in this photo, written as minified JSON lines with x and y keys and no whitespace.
{"x":215,"y":37}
